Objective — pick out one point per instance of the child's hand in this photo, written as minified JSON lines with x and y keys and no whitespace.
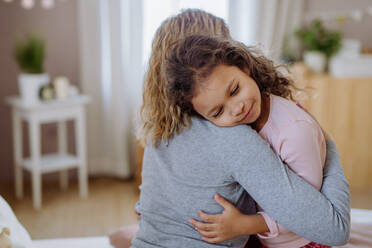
{"x":220,"y":227}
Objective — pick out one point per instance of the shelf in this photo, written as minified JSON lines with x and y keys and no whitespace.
{"x":53,"y":162}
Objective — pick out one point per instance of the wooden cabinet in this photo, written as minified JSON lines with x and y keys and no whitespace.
{"x":343,"y":106}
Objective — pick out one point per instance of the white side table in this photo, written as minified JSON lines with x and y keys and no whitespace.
{"x":72,"y":108}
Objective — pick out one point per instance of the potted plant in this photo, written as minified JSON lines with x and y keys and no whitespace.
{"x":319,"y":44}
{"x":30,"y":54}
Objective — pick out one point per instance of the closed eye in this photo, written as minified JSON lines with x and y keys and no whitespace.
{"x":235,"y":90}
{"x":218,"y":113}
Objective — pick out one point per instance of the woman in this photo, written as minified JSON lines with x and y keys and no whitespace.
{"x":184,"y":169}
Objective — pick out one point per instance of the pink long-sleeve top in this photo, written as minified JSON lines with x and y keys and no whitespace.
{"x":298,"y":140}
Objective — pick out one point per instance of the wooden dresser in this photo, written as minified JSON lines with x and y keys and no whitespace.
{"x":343,"y":106}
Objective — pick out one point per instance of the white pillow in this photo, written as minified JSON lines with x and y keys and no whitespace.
{"x":19,"y":237}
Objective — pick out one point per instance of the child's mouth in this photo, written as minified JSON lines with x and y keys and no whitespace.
{"x":248,"y":113}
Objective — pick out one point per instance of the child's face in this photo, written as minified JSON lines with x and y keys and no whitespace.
{"x":228,"y":97}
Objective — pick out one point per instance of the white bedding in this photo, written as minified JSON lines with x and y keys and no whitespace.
{"x":88,"y":242}
{"x":361,"y":235}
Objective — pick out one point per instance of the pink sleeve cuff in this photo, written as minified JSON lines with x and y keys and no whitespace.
{"x":272,"y":225}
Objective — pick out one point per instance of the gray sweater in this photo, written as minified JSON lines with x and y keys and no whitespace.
{"x":181,"y":176}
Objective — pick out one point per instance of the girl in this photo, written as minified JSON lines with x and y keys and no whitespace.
{"x":230,"y":84}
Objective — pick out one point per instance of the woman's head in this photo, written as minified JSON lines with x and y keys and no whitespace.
{"x":222,"y":80}
{"x":161,"y":119}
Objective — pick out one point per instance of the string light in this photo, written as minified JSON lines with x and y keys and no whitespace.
{"x":29,"y":4}
{"x":47,"y":4}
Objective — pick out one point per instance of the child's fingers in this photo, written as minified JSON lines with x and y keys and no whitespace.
{"x":210,"y":218}
{"x":202,"y":226}
{"x":207,"y":234}
{"x":212,"y":240}
{"x":222,"y":201}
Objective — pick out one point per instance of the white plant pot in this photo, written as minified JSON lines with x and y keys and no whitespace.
{"x":29,"y":86}
{"x":316,"y":61}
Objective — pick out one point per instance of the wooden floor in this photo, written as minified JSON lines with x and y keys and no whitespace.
{"x":64,"y":214}
{"x":109,"y":206}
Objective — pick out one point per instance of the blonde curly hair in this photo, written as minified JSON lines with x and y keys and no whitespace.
{"x":161,"y":118}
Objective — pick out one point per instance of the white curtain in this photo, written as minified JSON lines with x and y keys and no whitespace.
{"x":111,"y":73}
{"x":266,"y":23}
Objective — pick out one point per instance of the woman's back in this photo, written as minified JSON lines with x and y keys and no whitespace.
{"x":180,"y":178}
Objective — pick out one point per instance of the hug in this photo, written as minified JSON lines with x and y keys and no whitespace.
{"x":229,"y":154}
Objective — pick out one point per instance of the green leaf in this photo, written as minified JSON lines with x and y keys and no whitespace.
{"x":317,"y":38}
{"x":30,"y":53}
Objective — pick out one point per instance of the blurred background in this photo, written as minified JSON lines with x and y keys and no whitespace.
{"x":92,"y":55}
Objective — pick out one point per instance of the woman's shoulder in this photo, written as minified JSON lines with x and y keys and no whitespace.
{"x":203,"y":132}
{"x":206,"y":129}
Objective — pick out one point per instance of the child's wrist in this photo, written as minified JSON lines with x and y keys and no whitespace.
{"x":253,"y":224}
{"x":245,"y":225}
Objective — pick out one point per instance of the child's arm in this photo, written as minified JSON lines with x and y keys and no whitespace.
{"x":290,"y":196}
{"x":303,"y":150}
{"x":229,"y":224}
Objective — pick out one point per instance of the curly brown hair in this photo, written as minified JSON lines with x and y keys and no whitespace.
{"x":194,"y":58}
{"x":160,"y":118}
